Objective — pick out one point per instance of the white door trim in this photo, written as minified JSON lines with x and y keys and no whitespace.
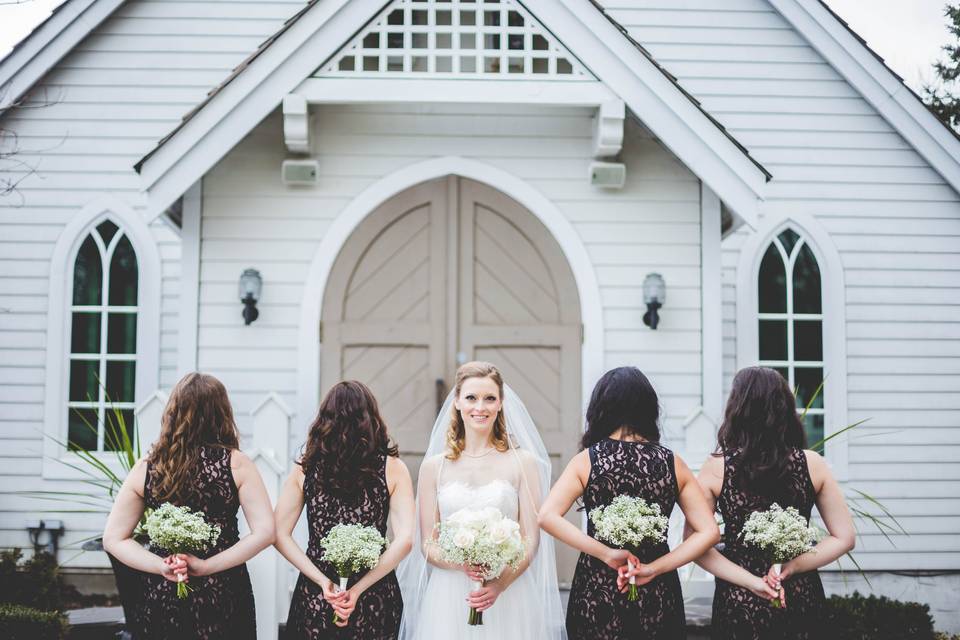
{"x":308,"y":366}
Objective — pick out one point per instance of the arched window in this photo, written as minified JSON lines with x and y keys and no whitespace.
{"x":790,"y":316}
{"x":103,"y":340}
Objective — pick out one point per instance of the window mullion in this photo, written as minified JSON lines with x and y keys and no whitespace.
{"x":102,"y":384}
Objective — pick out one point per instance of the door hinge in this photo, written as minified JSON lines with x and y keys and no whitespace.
{"x":320,"y":332}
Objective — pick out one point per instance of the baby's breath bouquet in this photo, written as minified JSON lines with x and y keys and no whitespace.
{"x":627,"y":522}
{"x":783,"y":534}
{"x":484,"y":538}
{"x":180,"y":530}
{"x":351,"y":548}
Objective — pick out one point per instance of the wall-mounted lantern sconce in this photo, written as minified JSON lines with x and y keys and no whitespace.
{"x":45,"y":535}
{"x":654,"y":295}
{"x":250,"y":286}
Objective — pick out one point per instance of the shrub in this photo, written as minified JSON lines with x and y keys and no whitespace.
{"x":35,"y":583}
{"x":857,"y":617}
{"x":23,"y":623}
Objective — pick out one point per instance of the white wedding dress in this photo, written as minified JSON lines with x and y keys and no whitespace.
{"x":517,"y":613}
{"x":515,"y":482}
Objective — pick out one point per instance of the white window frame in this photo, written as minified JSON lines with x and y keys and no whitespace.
{"x":57,"y":459}
{"x":833,"y":311}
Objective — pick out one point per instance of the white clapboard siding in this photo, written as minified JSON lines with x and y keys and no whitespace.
{"x":105,"y":105}
{"x":250,"y":218}
{"x":892,"y":218}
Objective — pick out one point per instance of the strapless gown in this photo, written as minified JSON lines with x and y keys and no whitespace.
{"x":517,"y":613}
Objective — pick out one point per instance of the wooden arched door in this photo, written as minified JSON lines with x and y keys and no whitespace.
{"x":448,"y":271}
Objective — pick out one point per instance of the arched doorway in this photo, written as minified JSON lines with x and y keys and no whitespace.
{"x":447,"y":271}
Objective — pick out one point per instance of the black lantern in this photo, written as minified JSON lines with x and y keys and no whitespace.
{"x":654,"y":295}
{"x":250,"y":285}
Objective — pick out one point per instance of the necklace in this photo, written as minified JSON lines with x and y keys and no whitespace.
{"x":480,"y":455}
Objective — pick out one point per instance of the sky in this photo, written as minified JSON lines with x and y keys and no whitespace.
{"x":907,"y":34}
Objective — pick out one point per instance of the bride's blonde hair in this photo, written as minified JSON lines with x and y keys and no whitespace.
{"x":456,"y":433}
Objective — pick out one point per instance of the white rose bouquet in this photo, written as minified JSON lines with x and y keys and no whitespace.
{"x":627,"y":522}
{"x":351,"y":548}
{"x":180,"y":530}
{"x":484,"y":538}
{"x":783,"y":534}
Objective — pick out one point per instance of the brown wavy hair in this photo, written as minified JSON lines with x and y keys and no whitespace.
{"x":456,"y":433}
{"x":761,"y":426}
{"x":347,"y":438}
{"x":198,"y":414}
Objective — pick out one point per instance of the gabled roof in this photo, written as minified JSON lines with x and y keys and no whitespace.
{"x":883,"y":89}
{"x":255,"y":88}
{"x":46,"y":45}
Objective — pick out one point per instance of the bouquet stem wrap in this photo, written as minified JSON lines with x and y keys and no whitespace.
{"x":475,"y":617}
{"x":632,"y":594}
{"x":777,"y":568}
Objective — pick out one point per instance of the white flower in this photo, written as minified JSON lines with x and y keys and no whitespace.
{"x":782,"y":533}
{"x":464,"y":538}
{"x":629,"y":521}
{"x":179,"y":530}
{"x":499,"y":532}
{"x":351,"y":548}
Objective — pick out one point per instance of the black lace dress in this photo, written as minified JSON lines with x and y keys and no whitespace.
{"x":738,"y":614}
{"x":597,"y":610}
{"x":378,"y":611}
{"x":220,"y":605}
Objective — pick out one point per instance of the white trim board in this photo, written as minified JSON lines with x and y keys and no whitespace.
{"x":878,"y":85}
{"x":59,"y":321}
{"x":419,"y":90}
{"x":833,"y":291}
{"x":591,"y":310}
{"x":188,"y":306}
{"x":291,"y":57}
{"x":46,"y":45}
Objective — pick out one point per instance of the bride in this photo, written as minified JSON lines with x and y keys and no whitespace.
{"x":484,"y":451}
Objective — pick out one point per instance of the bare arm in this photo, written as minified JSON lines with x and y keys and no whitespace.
{"x":710,"y":481}
{"x":402,"y":518}
{"x":256,"y":510}
{"x":564,"y":493}
{"x":126,"y":513}
{"x":841,"y":534}
{"x":289,"y":507}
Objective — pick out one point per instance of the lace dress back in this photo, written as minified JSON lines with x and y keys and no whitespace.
{"x":738,"y":614}
{"x":377,"y":614}
{"x":220,"y":605}
{"x":597,"y":610}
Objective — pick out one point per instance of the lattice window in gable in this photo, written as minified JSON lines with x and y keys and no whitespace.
{"x":480,"y":38}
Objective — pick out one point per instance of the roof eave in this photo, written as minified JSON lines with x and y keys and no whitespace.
{"x":45,"y":46}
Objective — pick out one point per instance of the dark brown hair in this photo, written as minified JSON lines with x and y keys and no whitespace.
{"x":623,"y":397}
{"x":198,"y":414}
{"x":347,"y":438}
{"x":457,"y":432}
{"x":761,"y":426}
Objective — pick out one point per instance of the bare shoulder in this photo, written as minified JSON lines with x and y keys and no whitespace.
{"x":396,"y":466}
{"x":711,"y":474}
{"x":137,"y":476}
{"x":239,"y":460}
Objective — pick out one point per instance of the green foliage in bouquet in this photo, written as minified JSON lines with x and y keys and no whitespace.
{"x":857,"y":617}
{"x":24,"y":623}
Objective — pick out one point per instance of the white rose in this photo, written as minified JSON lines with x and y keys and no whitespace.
{"x":463,"y":538}
{"x":499,"y":532}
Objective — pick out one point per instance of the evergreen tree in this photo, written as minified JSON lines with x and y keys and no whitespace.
{"x":943,"y":95}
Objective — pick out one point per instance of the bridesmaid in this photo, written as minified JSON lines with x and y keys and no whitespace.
{"x":349,"y":474}
{"x":761,"y":460}
{"x":195,"y":463}
{"x":622,"y":456}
